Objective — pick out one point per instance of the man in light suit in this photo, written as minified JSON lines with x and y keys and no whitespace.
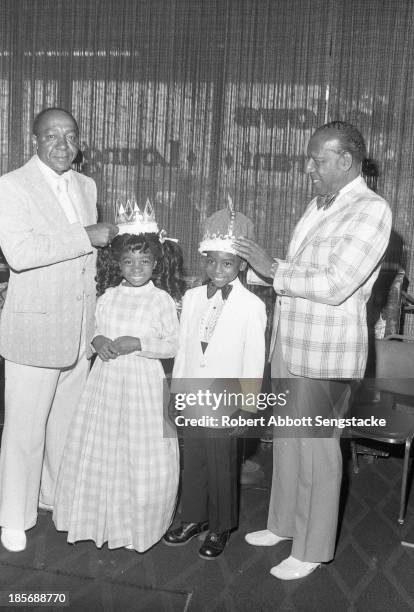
{"x":319,"y":338}
{"x":48,"y":234}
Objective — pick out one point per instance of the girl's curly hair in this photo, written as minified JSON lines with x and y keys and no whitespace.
{"x":167,"y":275}
{"x":171,"y":270}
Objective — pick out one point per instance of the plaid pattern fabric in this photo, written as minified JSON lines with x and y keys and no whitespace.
{"x":119,"y":476}
{"x":324,"y":284}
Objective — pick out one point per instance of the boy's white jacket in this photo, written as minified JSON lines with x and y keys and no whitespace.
{"x":237,"y":348}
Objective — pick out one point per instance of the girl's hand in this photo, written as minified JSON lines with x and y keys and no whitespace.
{"x":126,"y":344}
{"x":104,"y":348}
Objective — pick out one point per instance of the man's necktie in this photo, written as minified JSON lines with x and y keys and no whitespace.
{"x":65,"y":201}
{"x":325,"y":201}
{"x":212,"y":290}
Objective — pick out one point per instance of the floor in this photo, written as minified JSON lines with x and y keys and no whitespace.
{"x":372,"y":571}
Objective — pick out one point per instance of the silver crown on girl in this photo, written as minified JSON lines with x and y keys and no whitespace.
{"x":131,"y":220}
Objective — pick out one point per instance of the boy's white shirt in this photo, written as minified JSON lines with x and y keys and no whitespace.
{"x":211,"y":315}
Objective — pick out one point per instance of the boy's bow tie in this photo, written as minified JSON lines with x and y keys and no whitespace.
{"x":212,"y":290}
{"x":325,"y":201}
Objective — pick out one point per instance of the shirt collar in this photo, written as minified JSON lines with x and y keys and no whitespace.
{"x":217,"y":296}
{"x":354,"y":183}
{"x":235,"y":282}
{"x":149,"y":286}
{"x":50,"y":175}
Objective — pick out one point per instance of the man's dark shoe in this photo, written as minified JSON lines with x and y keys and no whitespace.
{"x":214,"y":545}
{"x":184,"y":533}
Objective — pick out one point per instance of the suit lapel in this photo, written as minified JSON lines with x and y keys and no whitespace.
{"x":46,"y":200}
{"x":296,"y":239}
{"x":47,"y":203}
{"x":319,"y":226}
{"x":81,"y":201}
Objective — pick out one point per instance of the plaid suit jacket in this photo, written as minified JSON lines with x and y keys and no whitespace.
{"x":325,"y":281}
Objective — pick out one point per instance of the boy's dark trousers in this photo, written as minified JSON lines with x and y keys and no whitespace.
{"x":210,"y":479}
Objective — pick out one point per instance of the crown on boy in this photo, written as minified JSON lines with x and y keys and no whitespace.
{"x":223,"y":227}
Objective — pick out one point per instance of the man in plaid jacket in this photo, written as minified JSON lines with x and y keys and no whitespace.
{"x":319,"y":339}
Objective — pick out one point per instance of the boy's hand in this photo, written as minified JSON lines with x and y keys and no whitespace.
{"x":126,"y":344}
{"x":104,"y":348}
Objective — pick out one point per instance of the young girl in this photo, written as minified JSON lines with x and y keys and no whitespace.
{"x":119,"y":476}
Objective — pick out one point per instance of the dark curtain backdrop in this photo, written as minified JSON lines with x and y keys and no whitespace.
{"x":186,"y":101}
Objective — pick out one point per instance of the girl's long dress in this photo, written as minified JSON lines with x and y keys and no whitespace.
{"x":119,"y":476}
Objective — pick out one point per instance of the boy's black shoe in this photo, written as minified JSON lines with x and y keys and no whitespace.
{"x":214,"y":545}
{"x":184,"y":533}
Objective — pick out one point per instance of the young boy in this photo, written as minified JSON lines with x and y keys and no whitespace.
{"x":222,"y":335}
